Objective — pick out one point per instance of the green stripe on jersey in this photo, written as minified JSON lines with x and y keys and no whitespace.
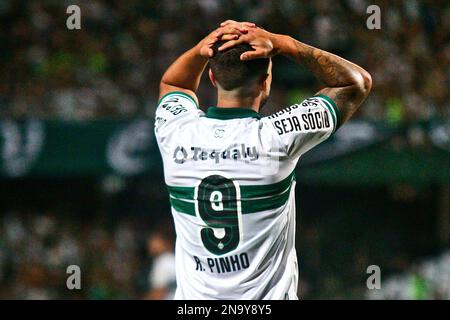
{"x":268,"y":190}
{"x":254,"y":198}
{"x":331,"y":105}
{"x":183,"y":206}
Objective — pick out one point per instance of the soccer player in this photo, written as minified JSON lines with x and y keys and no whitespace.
{"x":230,"y":172}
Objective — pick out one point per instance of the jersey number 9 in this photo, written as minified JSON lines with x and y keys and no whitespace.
{"x":218,"y":206}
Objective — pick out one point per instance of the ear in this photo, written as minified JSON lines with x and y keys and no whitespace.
{"x":263,"y":81}
{"x":266,"y":79}
{"x":211,"y":77}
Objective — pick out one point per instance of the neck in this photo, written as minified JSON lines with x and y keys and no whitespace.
{"x":227,"y":100}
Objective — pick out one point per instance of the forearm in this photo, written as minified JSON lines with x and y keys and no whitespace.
{"x":329,"y":68}
{"x":346,"y":83}
{"x":186,"y":71}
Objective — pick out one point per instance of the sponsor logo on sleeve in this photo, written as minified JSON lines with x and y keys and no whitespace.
{"x":173,"y":106}
{"x":286,"y":121}
{"x":311,"y":121}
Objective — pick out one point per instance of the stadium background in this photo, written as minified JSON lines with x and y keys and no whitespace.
{"x":81,"y":180}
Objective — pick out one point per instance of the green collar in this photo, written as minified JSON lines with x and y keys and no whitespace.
{"x":231,"y":113}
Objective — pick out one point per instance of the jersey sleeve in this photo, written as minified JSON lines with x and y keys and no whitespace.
{"x":172,"y":108}
{"x":302,"y":126}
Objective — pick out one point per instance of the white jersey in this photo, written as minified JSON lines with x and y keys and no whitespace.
{"x":230,"y":177}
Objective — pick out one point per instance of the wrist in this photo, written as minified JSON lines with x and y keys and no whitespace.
{"x":286,"y":45}
{"x":277,"y":42}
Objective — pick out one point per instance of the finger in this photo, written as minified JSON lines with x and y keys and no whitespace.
{"x":224,"y":30}
{"x":211,"y":42}
{"x":231,"y":43}
{"x":227,"y":22}
{"x":227,"y":37}
{"x":249,"y":24}
{"x":233,"y":22}
{"x":250,"y":55}
{"x":206,"y":49}
{"x":228,"y":30}
{"x":241,"y":26}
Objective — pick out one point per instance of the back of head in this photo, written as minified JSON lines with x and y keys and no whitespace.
{"x":230,"y":72}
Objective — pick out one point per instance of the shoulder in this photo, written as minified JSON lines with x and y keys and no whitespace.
{"x":174,"y":107}
{"x":176,"y":102}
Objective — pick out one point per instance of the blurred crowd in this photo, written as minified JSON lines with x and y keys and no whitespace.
{"x":36,"y":249}
{"x":112,"y":66}
{"x":428,"y":279}
{"x":125,"y":259}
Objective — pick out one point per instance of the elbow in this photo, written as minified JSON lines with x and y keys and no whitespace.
{"x":367,"y":80}
{"x":364,"y":83}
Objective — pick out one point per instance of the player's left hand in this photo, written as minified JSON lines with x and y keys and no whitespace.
{"x":228,"y":30}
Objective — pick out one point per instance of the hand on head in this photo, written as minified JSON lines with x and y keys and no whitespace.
{"x":236,"y":33}
{"x":228,"y":30}
{"x":262,"y":42}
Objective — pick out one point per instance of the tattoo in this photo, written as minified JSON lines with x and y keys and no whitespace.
{"x":329,"y":68}
{"x":342,"y":78}
{"x":345,"y":98}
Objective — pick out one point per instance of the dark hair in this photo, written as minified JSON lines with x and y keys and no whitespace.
{"x":230,"y":71}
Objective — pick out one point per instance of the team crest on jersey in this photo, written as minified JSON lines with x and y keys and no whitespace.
{"x":234,"y":152}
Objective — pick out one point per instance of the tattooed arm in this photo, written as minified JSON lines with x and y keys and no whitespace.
{"x":346,"y":83}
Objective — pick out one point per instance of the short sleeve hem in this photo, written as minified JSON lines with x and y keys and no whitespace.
{"x":178,"y":93}
{"x":334,"y":110}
